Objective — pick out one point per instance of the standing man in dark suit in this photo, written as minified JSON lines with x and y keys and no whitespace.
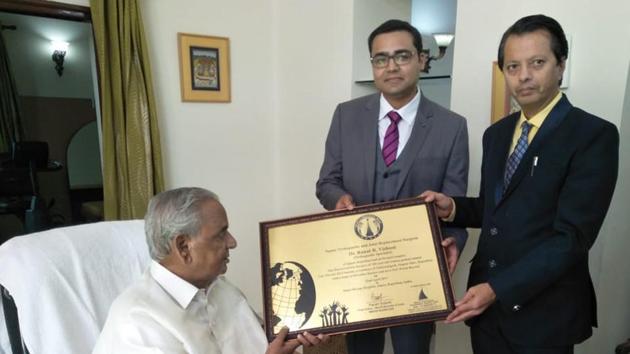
{"x":393,"y":145}
{"x":547,"y":178}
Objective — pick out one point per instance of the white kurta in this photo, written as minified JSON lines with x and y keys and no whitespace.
{"x":163,"y":313}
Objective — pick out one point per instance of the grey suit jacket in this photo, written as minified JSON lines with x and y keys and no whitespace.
{"x":439,"y":142}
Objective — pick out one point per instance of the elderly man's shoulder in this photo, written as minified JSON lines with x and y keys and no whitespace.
{"x":225,"y":293}
{"x":147,"y":293}
{"x":139,"y":307}
{"x":144,"y":293}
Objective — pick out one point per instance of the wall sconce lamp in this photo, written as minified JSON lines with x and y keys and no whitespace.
{"x":443,"y":40}
{"x":59,"y":50}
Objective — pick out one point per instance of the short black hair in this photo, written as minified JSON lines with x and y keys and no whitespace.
{"x":395,"y":26}
{"x":533,"y":23}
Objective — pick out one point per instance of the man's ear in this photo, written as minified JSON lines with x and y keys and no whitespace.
{"x":181,"y":246}
{"x":563,"y":66}
{"x":423,"y":57}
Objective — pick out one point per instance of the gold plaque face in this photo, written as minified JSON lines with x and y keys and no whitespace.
{"x":375,"y":266}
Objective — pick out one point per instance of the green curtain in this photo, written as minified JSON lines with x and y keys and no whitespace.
{"x":132,"y":161}
{"x":10,"y":120}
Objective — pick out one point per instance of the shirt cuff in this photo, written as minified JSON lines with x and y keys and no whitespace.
{"x":451,"y":216}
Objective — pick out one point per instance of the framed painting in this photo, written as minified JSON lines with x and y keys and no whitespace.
{"x":204,"y":68}
{"x":502,"y":102}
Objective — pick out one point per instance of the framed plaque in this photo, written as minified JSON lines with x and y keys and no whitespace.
{"x":380,"y":265}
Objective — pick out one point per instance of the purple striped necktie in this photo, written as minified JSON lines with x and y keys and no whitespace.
{"x":390,"y":142}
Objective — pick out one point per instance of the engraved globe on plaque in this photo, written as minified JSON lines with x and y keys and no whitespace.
{"x":293,"y":295}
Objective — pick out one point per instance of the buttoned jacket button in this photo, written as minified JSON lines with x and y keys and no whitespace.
{"x":494,"y":231}
{"x":515,"y":308}
{"x":492,"y":263}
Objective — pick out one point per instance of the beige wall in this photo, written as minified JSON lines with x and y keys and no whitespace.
{"x":312,"y":73}
{"x":225,"y":147}
{"x":262,"y":151}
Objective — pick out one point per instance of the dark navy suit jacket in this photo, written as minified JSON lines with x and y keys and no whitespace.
{"x":535,"y":238}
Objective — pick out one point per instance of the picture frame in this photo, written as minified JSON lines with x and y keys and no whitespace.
{"x":374,"y":266}
{"x":502,"y":102}
{"x":204,"y":68}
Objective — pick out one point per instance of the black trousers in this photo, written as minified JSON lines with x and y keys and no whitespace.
{"x":492,"y":341}
{"x":408,"y":339}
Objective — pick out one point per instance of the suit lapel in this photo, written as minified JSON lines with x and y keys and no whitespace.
{"x":419,"y":132}
{"x":551,"y":123}
{"x":369,"y":136}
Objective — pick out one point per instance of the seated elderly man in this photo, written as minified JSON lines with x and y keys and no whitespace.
{"x":183,"y":304}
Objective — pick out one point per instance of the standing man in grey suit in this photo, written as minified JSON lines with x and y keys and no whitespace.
{"x":393,"y":145}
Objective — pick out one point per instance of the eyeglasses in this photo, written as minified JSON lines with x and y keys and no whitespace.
{"x":402,"y":57}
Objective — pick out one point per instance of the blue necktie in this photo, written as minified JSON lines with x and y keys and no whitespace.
{"x":516,"y":156}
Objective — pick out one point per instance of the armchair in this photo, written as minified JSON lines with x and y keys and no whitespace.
{"x":62,"y":282}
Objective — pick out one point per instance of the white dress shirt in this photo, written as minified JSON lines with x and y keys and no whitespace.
{"x":405,"y":125}
{"x":163,"y":313}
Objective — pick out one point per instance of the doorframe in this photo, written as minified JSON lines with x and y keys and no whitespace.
{"x":50,"y":9}
{"x":69,"y":12}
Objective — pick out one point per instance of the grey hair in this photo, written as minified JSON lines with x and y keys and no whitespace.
{"x":171,"y":213}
